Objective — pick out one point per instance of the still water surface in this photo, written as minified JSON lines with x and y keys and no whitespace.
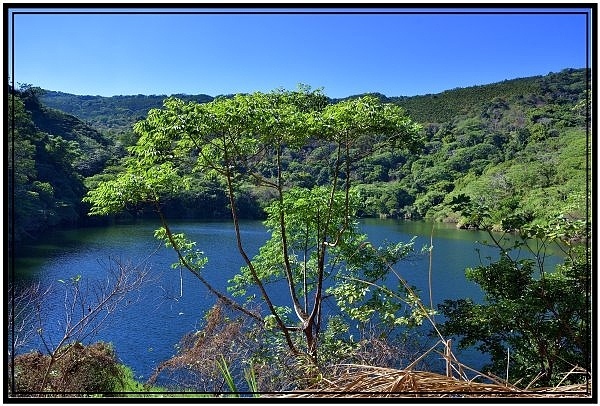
{"x":146,"y":330}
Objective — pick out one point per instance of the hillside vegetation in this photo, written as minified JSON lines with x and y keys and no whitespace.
{"x":50,"y":154}
{"x":513,"y":156}
{"x":518,"y":146}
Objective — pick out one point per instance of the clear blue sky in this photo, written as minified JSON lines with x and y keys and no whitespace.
{"x":394,"y":54}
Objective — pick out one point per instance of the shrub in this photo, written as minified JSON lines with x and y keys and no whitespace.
{"x":76,"y":368}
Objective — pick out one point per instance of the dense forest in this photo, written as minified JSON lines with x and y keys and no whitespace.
{"x":510,"y":157}
{"x":520,"y":145}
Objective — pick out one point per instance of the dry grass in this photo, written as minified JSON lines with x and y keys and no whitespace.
{"x":364,"y":381}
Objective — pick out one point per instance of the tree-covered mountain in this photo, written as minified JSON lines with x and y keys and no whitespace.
{"x":118,"y":113}
{"x":518,"y":146}
{"x":110,"y":114}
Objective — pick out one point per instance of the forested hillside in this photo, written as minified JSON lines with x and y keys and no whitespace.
{"x":50,"y":154}
{"x":110,"y":114}
{"x":518,"y":146}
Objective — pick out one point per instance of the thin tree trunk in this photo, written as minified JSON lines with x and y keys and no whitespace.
{"x":247,"y":260}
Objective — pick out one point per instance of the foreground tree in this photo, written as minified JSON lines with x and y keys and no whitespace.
{"x":315,"y":246}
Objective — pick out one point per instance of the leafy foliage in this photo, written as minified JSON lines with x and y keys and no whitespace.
{"x":535,"y":322}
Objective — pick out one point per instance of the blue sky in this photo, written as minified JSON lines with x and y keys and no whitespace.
{"x":394,"y":54}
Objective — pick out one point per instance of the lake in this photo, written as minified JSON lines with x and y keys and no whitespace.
{"x":146,"y":329}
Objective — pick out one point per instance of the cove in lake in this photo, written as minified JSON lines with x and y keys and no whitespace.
{"x":146,"y":330}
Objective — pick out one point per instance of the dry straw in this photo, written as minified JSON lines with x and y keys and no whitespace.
{"x":364,"y":381}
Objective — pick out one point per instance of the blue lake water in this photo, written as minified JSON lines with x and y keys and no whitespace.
{"x":146,"y":328}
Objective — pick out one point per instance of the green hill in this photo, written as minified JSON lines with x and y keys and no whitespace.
{"x":518,"y":145}
{"x":114,"y":114}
